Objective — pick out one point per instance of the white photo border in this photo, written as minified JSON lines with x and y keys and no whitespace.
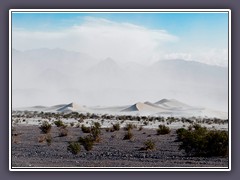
{"x":119,"y":11}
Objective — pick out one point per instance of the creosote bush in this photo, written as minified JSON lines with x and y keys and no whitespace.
{"x":49,"y":139}
{"x":140,"y":128}
{"x":45,"y":127}
{"x":85,"y":129}
{"x":95,"y":133}
{"x":41,"y":138}
{"x":74,"y":147}
{"x":94,"y":136}
{"x":145,"y":123}
{"x":203,"y":142}
{"x":97,"y":125}
{"x":45,"y":138}
{"x":149,"y":145}
{"x":58,"y":123}
{"x":128,"y":127}
{"x":87,"y":142}
{"x":63,"y":132}
{"x":198,"y":126}
{"x":128,"y":135}
{"x":116,"y":127}
{"x":77,"y":125}
{"x":162,"y":129}
{"x":181,"y":132}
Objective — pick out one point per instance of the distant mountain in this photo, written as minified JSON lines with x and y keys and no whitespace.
{"x":178,"y":69}
{"x":56,"y":55}
{"x":106,"y":67}
{"x":67,"y":75}
{"x":105,"y":74}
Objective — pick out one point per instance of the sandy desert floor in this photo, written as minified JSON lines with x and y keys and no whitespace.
{"x":111,"y":151}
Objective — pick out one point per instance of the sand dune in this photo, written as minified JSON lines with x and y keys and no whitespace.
{"x":151,"y":104}
{"x":164,"y":107}
{"x":144,"y":107}
{"x":72,"y":107}
{"x":172,"y":104}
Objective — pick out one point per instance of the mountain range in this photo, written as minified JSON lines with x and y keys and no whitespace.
{"x":51,"y":76}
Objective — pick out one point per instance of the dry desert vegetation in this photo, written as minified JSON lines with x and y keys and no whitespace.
{"x":73,"y":139}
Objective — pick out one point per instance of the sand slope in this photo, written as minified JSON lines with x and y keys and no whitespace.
{"x":172,"y":104}
{"x":144,"y":107}
{"x":164,"y":107}
{"x":72,"y":107}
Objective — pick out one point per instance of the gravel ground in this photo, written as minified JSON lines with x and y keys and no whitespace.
{"x":111,"y":151}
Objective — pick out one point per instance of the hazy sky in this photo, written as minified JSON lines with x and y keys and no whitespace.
{"x":139,"y":37}
{"x":54,"y":76}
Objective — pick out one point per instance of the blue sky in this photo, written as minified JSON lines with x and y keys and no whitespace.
{"x":203,"y":31}
{"x":177,"y":23}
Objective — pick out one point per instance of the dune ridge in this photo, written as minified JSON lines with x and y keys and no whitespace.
{"x":164,"y":107}
{"x":72,"y":107}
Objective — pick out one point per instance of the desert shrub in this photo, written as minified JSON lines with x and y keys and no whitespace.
{"x":149,"y":145}
{"x":41,"y":139}
{"x":85,"y":129}
{"x":87,"y":142}
{"x":162,"y":129}
{"x":140,"y":128}
{"x":45,"y":127}
{"x":203,"y":142}
{"x":217,"y":143}
{"x":122,"y":121}
{"x":116,"y":127}
{"x":49,"y":139}
{"x":97,"y":125}
{"x":102,"y":121}
{"x":77,"y":125}
{"x":128,"y":127}
{"x":95,"y":133}
{"x":128,"y":135}
{"x":58,"y":123}
{"x":181,"y":133}
{"x":74,"y":147}
{"x":63,"y":132}
{"x":80,"y":120}
{"x":197,"y":126}
{"x":112,"y":130}
{"x":190,"y":127}
{"x":145,"y":123}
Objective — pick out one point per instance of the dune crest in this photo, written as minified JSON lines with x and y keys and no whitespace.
{"x":144,"y":107}
{"x":164,"y":107}
{"x":72,"y":107}
{"x":172,"y":103}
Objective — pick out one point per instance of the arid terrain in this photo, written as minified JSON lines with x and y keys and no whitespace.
{"x":116,"y":140}
{"x":111,"y":151}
